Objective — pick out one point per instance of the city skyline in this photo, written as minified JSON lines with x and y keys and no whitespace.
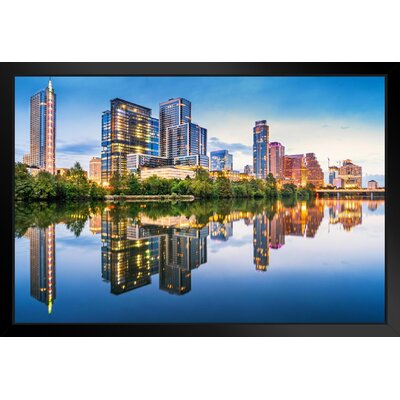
{"x":350,"y":110}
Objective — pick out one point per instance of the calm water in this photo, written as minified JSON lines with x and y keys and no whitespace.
{"x":249,"y":261}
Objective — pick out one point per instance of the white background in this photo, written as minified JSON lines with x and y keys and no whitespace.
{"x":206,"y":368}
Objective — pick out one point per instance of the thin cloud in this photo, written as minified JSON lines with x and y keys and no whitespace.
{"x":217,"y":144}
{"x":87,"y":148}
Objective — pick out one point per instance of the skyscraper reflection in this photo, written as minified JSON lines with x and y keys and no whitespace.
{"x":42,"y":264}
{"x":132,"y":252}
{"x":348,"y":213}
{"x":269,"y":232}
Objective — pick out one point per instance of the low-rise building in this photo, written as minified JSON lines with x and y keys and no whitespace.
{"x":169,"y":172}
{"x":338,"y":183}
{"x":351,"y":175}
{"x":372,"y":184}
{"x":62,"y":171}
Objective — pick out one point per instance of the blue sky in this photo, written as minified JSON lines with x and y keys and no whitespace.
{"x":335,"y":117}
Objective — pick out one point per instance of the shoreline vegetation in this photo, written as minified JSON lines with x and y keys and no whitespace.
{"x":75,"y":186}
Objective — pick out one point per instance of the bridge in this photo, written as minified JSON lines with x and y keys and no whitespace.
{"x":355,"y":192}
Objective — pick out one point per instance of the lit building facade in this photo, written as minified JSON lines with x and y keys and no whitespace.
{"x":260,"y":149}
{"x":276,"y":159}
{"x":221,"y":160}
{"x":43,"y":130}
{"x":351,"y":175}
{"x":294,"y":169}
{"x":95,"y":169}
{"x":315,"y":175}
{"x":168,"y":172}
{"x":126,"y":128}
{"x":300,"y":170}
{"x":372,"y":184}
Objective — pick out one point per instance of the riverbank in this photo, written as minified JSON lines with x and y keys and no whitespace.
{"x":148,"y":198}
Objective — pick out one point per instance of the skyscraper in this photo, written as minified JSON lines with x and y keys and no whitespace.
{"x":173,"y":113}
{"x":95,"y":169}
{"x":248,"y":169}
{"x":126,"y":128}
{"x":276,"y":157}
{"x":221,"y":160}
{"x":315,"y":175}
{"x":295,"y":170}
{"x":43,"y":130}
{"x":260,"y":149}
{"x":333,"y":173}
{"x":181,"y":139}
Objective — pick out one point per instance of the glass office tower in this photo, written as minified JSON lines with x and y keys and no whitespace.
{"x":173,"y":113}
{"x":179,"y":137}
{"x":260,"y":149}
{"x":43,"y":130}
{"x":126,"y":128}
{"x":221,"y":160}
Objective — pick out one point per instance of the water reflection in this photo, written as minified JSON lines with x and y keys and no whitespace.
{"x":139,"y":241}
{"x":42,"y":264}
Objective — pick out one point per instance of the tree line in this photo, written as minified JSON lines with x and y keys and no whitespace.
{"x":74,"y":185}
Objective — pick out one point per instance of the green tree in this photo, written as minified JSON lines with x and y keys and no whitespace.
{"x":44,"y":187}
{"x":23,"y":184}
{"x":222,"y":187}
{"x":133,"y":184}
{"x":115,"y":183}
{"x":288,"y":190}
{"x":270,"y":186}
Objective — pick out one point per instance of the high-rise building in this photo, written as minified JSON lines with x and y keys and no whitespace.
{"x":351,"y":175}
{"x":260,"y":149}
{"x":276,"y":157}
{"x":248,"y":169}
{"x":95,"y":169}
{"x":221,"y":160}
{"x":43,"y":130}
{"x":300,"y":170}
{"x":26,"y":159}
{"x":315,"y":175}
{"x":333,"y":173}
{"x":126,"y":128}
{"x":42,"y":264}
{"x":173,"y":113}
{"x":295,"y":170}
{"x":179,"y":136}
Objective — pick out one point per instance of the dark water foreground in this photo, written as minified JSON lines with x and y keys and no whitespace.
{"x":249,"y":261}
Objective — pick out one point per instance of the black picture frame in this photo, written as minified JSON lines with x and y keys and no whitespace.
{"x":391,"y":72}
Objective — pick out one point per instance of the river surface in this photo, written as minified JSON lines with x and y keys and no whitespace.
{"x":248,"y":261}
